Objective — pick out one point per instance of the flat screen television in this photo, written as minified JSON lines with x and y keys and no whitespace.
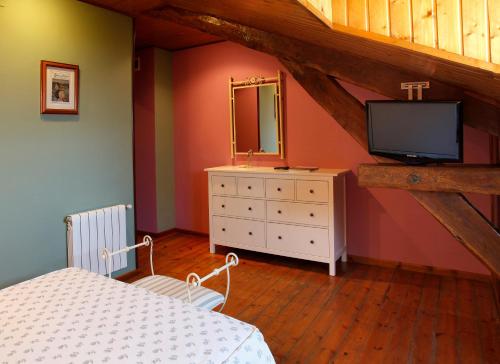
{"x":416,"y":132}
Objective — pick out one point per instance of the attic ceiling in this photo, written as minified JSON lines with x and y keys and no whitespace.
{"x":291,"y":31}
{"x":151,"y":32}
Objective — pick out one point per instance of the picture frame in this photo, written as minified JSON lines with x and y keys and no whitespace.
{"x":59,"y":88}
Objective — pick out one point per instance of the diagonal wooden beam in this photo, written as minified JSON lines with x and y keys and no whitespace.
{"x":291,"y":19}
{"x":465,"y":223}
{"x":479,"y":111}
{"x":452,"y":210}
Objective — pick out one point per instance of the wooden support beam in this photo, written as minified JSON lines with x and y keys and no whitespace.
{"x":465,"y":223}
{"x":291,"y":19}
{"x":457,"y":178}
{"x":452,"y":210}
{"x":330,"y":94}
{"x":479,"y":111}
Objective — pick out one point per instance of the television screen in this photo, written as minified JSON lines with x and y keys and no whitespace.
{"x":415,"y":131}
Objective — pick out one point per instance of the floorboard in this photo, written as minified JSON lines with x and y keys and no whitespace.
{"x":366,"y":314}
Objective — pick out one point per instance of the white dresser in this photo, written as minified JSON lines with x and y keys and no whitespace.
{"x":297,"y":214}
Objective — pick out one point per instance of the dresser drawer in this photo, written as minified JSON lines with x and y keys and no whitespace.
{"x":240,"y":207}
{"x":298,"y":239}
{"x":224,"y":185}
{"x":239,"y":231}
{"x":296,"y":212}
{"x":313,"y":191}
{"x":280,"y":189}
{"x":251,"y":187}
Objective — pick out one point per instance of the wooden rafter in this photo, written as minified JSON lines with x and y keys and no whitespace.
{"x":290,"y":18}
{"x":479,"y":111}
{"x":452,"y":210}
{"x":457,"y":178}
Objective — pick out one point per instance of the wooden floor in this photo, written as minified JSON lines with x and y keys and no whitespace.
{"x":365,"y":314}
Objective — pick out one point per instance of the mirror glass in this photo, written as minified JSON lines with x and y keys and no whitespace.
{"x":256,"y":116}
{"x":256,"y":120}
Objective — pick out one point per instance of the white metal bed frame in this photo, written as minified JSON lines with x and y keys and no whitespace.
{"x":192,"y":280}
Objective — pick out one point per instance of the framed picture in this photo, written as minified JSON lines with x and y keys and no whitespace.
{"x":59,"y":88}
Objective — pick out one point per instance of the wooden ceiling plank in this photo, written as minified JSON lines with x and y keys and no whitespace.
{"x":356,"y":11}
{"x":321,"y":8}
{"x":475,"y":29}
{"x":401,"y":25}
{"x":494,"y":23}
{"x":483,"y":179}
{"x":379,"y":17}
{"x":452,"y":210}
{"x":450,"y":30}
{"x":360,"y":71}
{"x":423,"y":22}
{"x":339,"y":11}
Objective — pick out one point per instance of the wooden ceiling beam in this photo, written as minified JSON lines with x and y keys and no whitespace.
{"x":452,"y":210}
{"x":479,"y":112}
{"x":291,"y":19}
{"x":483,"y":179}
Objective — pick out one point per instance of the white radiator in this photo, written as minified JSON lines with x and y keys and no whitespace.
{"x":89,"y":232}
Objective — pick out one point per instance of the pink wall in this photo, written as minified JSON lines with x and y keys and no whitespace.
{"x":144,"y":143}
{"x":383,"y":224}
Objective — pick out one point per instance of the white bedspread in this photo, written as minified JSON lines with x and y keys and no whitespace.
{"x":74,"y":316}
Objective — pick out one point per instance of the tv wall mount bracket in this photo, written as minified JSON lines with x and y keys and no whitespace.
{"x":419,"y":86}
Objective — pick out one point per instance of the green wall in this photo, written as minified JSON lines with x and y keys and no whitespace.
{"x":51,"y":166}
{"x":164,"y":141}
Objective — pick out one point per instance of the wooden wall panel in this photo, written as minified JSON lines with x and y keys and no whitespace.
{"x":339,"y":12}
{"x":424,"y":27}
{"x":400,"y":16}
{"x":466,"y":27}
{"x":449,"y":25}
{"x":379,"y":16}
{"x":322,"y":8}
{"x":357,"y":14}
{"x":475,"y":29}
{"x":494,"y":22}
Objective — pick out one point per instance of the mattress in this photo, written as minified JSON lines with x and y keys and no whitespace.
{"x":74,"y":316}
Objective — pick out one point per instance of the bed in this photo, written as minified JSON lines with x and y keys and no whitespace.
{"x":74,"y":316}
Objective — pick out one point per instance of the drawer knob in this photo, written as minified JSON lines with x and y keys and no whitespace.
{"x":279,"y":211}
{"x":311,"y":191}
{"x":222,"y":185}
{"x":249,"y":209}
{"x":311,"y":214}
{"x":250,"y":233}
{"x":279,"y":237}
{"x":312,"y":242}
{"x":279,"y":189}
{"x":223,"y":206}
{"x":249,"y":187}
{"x":223,"y":229}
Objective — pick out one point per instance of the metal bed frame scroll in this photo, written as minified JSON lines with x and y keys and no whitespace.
{"x":192,"y":280}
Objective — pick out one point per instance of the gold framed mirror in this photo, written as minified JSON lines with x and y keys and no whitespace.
{"x":257,"y":116}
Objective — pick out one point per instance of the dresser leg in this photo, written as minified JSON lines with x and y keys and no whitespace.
{"x":212,"y":248}
{"x":344,"y":255}
{"x":332,"y":268}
